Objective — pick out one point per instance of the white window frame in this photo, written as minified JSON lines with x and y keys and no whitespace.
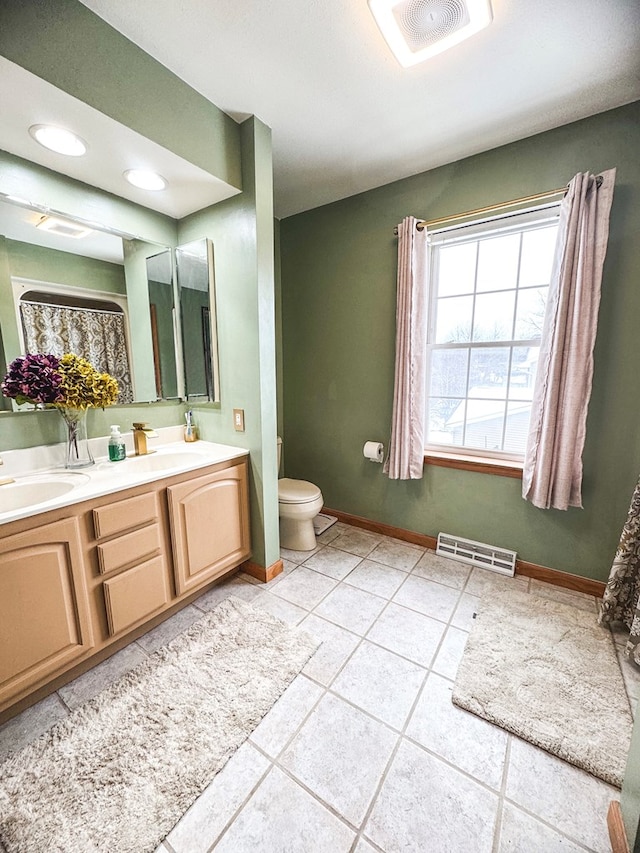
{"x":499,"y":225}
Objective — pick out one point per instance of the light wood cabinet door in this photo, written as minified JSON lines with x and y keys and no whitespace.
{"x":209,"y":526}
{"x":44,"y":609}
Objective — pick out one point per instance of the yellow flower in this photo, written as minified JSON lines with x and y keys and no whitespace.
{"x":83,"y":387}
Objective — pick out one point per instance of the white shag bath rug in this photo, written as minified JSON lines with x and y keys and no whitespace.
{"x":119,"y":772}
{"x":548,"y":673}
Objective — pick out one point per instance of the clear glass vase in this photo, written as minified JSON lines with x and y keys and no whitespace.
{"x":78,"y":454}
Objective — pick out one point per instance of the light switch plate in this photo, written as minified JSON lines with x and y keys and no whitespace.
{"x":238,"y":420}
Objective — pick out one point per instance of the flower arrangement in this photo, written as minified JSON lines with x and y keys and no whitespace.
{"x":70,"y":384}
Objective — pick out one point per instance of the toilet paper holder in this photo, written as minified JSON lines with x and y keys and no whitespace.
{"x":373,"y":451}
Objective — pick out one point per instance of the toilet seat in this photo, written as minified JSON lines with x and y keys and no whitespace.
{"x":297,"y":491}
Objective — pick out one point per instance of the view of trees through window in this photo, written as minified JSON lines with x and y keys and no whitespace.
{"x":488,"y":298}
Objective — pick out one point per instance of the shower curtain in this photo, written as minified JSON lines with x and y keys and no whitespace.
{"x":98,"y":336}
{"x":621,"y":599}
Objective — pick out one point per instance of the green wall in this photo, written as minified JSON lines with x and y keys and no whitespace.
{"x":241,"y":229}
{"x":74,"y":49}
{"x":53,"y":266}
{"x":338,"y":286}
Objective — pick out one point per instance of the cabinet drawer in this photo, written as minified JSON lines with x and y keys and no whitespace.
{"x":129,"y":549}
{"x":136,"y":594}
{"x":125,"y":515}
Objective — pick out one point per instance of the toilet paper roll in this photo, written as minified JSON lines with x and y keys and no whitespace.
{"x":373,"y":450}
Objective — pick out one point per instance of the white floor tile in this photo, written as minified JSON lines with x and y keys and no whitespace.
{"x":572,"y":801}
{"x":283,"y":720}
{"x":298,"y":557}
{"x":364,"y":847}
{"x":464,"y":612}
{"x":351,"y":608}
{"x":521,"y":833}
{"x":432,"y":599}
{"x":407,"y":633}
{"x":281,"y":817}
{"x":442,"y":570}
{"x":332,"y":562}
{"x":356,"y":541}
{"x":336,"y":645}
{"x":285,"y":610}
{"x":236,"y":585}
{"x":450,"y":654}
{"x":395,"y":554}
{"x":340,"y":754}
{"x":376,"y":578}
{"x":205,"y":820}
{"x":472,"y":744}
{"x":304,"y":587}
{"x":425,"y":805}
{"x":381,"y":683}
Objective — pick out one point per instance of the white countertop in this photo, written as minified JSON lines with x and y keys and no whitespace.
{"x":172,"y":456}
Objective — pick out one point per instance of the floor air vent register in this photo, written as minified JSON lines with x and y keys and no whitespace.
{"x":489,"y":557}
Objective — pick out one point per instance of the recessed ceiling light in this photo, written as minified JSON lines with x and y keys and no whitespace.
{"x":416,"y":30}
{"x":145,"y":179}
{"x":58,"y":139}
{"x":62,"y":227}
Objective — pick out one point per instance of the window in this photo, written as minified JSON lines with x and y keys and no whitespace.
{"x":489,"y":284}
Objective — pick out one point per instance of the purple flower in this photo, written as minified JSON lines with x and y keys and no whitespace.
{"x":33,"y":379}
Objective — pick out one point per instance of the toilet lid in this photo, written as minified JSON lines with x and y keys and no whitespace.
{"x":297,"y":491}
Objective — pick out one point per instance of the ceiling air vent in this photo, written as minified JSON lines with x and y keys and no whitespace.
{"x":63,"y":227}
{"x":418,"y":29}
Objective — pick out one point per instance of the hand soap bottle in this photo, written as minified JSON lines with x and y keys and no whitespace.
{"x":117,"y":449}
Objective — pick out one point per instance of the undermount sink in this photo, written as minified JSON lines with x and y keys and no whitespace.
{"x":167,"y":461}
{"x":37,"y":489}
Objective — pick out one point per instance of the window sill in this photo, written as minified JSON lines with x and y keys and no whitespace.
{"x":481,"y":464}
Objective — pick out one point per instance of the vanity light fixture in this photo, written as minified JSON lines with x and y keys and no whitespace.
{"x":58,"y":139}
{"x":416,"y":30}
{"x":145,"y":179}
{"x":62,"y":227}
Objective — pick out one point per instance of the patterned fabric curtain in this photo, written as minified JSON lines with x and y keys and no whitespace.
{"x":98,"y":336}
{"x":406,"y":450}
{"x":621,"y":599}
{"x":552,"y":474}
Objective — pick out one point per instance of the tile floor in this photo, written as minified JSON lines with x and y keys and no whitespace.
{"x":365,"y":752}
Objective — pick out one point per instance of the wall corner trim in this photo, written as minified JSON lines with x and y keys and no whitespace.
{"x":617,"y":834}
{"x":263,"y":573}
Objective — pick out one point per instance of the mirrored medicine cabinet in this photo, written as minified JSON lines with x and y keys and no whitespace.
{"x":166,"y":296}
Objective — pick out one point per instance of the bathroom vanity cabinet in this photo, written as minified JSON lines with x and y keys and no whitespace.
{"x":79,"y":582}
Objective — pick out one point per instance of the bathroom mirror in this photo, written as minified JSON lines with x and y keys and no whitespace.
{"x":92,"y":267}
{"x":196,"y":286}
{"x":162,"y":315}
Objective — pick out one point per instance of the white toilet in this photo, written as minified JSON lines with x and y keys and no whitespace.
{"x":298,"y":504}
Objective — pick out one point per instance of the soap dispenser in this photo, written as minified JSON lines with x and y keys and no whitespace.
{"x":117,"y":449}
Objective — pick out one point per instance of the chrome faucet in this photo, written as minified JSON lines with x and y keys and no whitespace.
{"x":141,"y":432}
{"x":4,"y":481}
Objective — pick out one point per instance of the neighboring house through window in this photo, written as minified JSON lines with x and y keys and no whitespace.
{"x":488,"y":290}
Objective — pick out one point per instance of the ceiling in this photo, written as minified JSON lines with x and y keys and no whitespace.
{"x":346,"y":117}
{"x":112,"y":148}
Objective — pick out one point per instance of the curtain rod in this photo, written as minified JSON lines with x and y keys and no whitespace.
{"x":422,"y":224}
